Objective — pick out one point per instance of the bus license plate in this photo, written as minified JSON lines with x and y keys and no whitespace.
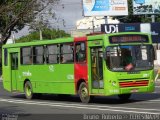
{"x":134,"y":90}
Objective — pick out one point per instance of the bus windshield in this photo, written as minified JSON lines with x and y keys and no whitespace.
{"x":129,"y":57}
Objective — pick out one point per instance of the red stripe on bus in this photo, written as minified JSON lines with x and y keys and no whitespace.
{"x":79,"y":39}
{"x":81,"y":69}
{"x":134,"y":83}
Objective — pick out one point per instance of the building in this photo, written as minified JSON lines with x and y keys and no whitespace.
{"x":90,"y":25}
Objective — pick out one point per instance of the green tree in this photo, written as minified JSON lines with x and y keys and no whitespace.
{"x":15,"y":14}
{"x":47,"y":34}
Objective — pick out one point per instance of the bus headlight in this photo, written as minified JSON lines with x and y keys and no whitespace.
{"x":113,"y":83}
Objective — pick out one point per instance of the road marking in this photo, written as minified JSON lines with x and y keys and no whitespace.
{"x":84,"y":105}
{"x":151,"y":100}
{"x":80,"y":106}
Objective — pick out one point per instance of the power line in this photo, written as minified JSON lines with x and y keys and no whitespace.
{"x":71,"y":3}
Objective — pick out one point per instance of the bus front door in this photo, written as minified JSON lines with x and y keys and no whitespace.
{"x":97,"y":69}
{"x":14,"y":69}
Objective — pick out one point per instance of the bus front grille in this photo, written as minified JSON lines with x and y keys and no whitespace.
{"x":134,"y":83}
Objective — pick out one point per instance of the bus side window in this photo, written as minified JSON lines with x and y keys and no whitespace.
{"x":26,"y":55}
{"x":52,"y":53}
{"x":80,"y":54}
{"x":38,"y":54}
{"x":67,"y":53}
{"x":5,"y":57}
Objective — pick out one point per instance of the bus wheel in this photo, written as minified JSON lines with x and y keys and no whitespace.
{"x":124,"y":96}
{"x":28,"y":90}
{"x":84,"y":93}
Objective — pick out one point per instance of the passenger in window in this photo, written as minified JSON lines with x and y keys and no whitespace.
{"x":63,"y":60}
{"x":80,"y":57}
{"x":127,"y":59}
{"x":30,"y":60}
{"x":78,"y":47}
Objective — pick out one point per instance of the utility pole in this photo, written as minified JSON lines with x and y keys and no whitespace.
{"x":153,"y":18}
{"x":106,"y":19}
{"x":93,"y":24}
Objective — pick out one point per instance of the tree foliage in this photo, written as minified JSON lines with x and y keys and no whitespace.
{"x":47,"y":34}
{"x":15,"y":14}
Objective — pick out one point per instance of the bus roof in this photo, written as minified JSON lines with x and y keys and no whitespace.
{"x":40,"y":42}
{"x":69,"y":39}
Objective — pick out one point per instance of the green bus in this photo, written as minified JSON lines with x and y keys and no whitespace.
{"x":97,"y":65}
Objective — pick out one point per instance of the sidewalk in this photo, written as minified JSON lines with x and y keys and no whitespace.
{"x":0,"y":78}
{"x":156,"y":65}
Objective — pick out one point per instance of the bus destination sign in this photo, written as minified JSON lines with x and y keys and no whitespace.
{"x":128,"y":38}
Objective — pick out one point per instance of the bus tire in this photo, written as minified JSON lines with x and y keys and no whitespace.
{"x":28,"y":90}
{"x":124,"y":96}
{"x":84,"y":93}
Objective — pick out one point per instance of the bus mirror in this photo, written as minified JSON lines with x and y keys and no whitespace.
{"x":104,"y":55}
{"x":152,"y":52}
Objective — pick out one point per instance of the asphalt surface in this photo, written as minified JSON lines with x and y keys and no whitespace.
{"x":141,"y":106}
{"x":14,"y":105}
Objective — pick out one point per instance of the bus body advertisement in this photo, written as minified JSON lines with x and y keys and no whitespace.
{"x":107,"y":64}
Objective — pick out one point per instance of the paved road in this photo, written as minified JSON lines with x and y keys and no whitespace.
{"x":14,"y":105}
{"x":141,"y":106}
